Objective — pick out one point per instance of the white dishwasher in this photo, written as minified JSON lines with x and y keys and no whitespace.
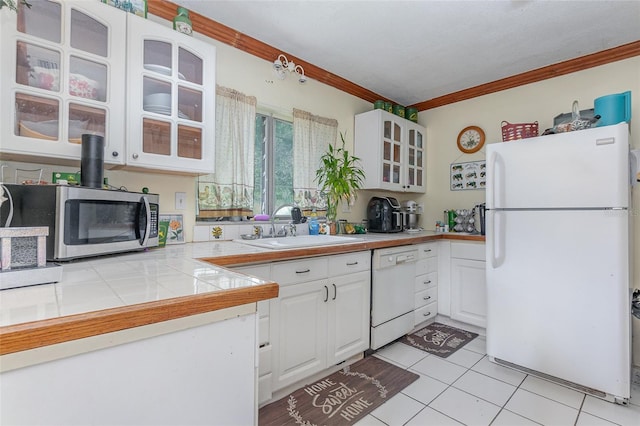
{"x":392,"y":293}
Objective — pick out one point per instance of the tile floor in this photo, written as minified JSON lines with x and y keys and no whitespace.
{"x":467,"y":389}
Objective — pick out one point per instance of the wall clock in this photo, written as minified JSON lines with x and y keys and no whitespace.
{"x":470,"y":139}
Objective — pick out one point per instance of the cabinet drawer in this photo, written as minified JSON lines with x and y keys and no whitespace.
{"x":426,"y":281}
{"x":427,"y":250}
{"x":264,"y":360}
{"x":349,"y":263}
{"x":265,"y":388}
{"x":299,"y":271}
{"x":424,"y":266}
{"x":473,"y":251}
{"x":425,"y":297}
{"x":426,"y":312}
{"x":263,"y":331}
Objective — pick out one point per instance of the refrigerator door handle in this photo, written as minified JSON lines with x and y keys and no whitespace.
{"x":495,"y":169}
{"x":491,"y":166}
{"x":496,"y":239}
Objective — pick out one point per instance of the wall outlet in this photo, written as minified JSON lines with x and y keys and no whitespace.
{"x":181,"y":200}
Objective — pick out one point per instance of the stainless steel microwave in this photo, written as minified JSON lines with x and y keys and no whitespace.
{"x":84,"y":221}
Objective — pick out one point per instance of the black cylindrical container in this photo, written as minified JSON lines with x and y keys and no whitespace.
{"x":483,"y":218}
{"x":92,"y":161}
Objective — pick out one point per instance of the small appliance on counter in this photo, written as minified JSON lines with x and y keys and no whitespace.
{"x":84,"y":221}
{"x":384,"y":215}
{"x":411,"y":212}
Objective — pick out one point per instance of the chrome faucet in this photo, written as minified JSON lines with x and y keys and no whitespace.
{"x":286,"y":229}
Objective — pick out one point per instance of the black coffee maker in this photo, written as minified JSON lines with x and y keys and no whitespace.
{"x":384,"y":215}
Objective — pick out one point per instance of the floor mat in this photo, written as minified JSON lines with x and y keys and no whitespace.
{"x":439,"y":339}
{"x":342,"y":398}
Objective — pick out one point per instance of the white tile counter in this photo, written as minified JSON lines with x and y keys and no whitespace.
{"x":123,"y":280}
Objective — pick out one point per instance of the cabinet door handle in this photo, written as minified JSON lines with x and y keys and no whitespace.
{"x":427,"y":282}
{"x":303,"y":272}
{"x":427,"y":250}
{"x":335,"y":292}
{"x":352,"y":263}
{"x":326,"y":294}
{"x":426,"y":298}
{"x":426,"y":314}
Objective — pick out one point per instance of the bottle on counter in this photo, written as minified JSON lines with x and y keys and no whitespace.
{"x":182,"y":22}
{"x":314,"y":226}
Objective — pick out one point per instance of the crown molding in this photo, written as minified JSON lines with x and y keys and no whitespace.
{"x":603,"y":57}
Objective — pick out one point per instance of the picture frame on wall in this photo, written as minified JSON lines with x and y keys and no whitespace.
{"x":467,"y":176}
{"x":172,"y":225}
{"x":137,"y":7}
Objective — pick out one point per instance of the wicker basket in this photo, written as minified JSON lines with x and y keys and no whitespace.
{"x":511,"y":132}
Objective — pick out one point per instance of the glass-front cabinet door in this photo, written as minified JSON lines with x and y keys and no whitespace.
{"x":392,"y":136}
{"x":415,"y":159}
{"x":63,"y":68}
{"x":171,"y":99}
{"x":392,"y":151}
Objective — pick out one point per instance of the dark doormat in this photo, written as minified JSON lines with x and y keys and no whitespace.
{"x":439,"y":339}
{"x":342,"y":398}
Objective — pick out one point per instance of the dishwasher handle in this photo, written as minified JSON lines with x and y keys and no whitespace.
{"x":405,"y":258}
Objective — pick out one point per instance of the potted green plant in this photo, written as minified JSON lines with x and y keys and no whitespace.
{"x":338,"y":177}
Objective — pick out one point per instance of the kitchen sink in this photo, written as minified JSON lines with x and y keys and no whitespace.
{"x":284,"y":243}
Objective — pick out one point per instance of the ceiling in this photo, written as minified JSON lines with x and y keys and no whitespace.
{"x":413,"y":51}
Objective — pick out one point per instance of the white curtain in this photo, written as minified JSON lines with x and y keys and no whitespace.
{"x":311,"y":138}
{"x":229,"y":190}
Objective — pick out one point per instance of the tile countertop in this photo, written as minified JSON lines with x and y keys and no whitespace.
{"x":112,"y":293}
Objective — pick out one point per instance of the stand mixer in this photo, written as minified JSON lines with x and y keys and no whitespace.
{"x":411,"y":212}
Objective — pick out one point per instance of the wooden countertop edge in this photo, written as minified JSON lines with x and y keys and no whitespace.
{"x":278,"y":255}
{"x":31,"y":335}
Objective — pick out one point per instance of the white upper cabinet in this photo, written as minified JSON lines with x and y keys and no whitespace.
{"x":76,"y":67}
{"x":63,"y":71}
{"x":392,"y":151}
{"x":170,"y":99}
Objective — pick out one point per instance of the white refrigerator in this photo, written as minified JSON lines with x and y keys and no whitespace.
{"x":558,"y":258}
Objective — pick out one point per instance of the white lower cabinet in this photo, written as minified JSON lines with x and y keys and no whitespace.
{"x":468,"y":283}
{"x":320,"y":318}
{"x":299,"y":324}
{"x":426,"y":283}
{"x":156,"y":374}
{"x":348,"y":331}
{"x":264,"y":339}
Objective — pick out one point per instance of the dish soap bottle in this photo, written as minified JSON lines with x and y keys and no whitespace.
{"x":182,"y":22}
{"x":314,"y":226}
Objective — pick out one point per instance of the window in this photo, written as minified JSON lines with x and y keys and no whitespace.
{"x":273,"y":164}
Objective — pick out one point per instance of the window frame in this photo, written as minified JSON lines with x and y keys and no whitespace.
{"x":268,"y":193}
